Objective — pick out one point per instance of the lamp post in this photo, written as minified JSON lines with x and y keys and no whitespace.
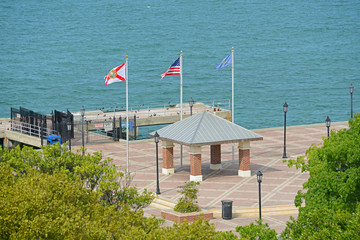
{"x":351,"y":93}
{"x":285,"y":108}
{"x":328,"y":122}
{"x":82,"y":129}
{"x":69,"y":134}
{"x":156,"y":138}
{"x":259,"y":179}
{"x":191,"y":104}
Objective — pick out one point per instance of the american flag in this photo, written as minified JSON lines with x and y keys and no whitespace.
{"x":174,"y":69}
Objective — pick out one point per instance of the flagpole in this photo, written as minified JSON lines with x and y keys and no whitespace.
{"x":127,"y":116}
{"x":232,"y":99}
{"x":181,"y":104}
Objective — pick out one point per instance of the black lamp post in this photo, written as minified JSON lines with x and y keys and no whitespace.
{"x":191,"y":104}
{"x":82,"y":129}
{"x":351,"y":93}
{"x":285,"y":108}
{"x":156,"y":138}
{"x":328,"y":122}
{"x":259,"y":179}
{"x":69,"y":132}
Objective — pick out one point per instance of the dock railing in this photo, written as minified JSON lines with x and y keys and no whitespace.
{"x":29,"y":129}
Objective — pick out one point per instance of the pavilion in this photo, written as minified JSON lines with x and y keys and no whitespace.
{"x":205,"y":129}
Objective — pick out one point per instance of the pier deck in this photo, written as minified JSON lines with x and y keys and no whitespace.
{"x":151,"y":116}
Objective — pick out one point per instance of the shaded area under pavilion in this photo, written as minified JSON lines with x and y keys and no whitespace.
{"x":205,"y":129}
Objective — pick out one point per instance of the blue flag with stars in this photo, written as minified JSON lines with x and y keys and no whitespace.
{"x":225,"y":62}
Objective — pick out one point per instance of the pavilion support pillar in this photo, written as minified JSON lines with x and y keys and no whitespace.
{"x":195,"y":164}
{"x":215,"y":157}
{"x":168,"y":157}
{"x":244,"y":159}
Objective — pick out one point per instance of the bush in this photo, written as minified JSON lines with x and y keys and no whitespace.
{"x":187,"y":202}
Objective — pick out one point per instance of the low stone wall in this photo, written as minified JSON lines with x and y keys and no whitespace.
{"x":190,"y":217}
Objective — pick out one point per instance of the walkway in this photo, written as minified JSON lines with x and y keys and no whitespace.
{"x":278,"y":189}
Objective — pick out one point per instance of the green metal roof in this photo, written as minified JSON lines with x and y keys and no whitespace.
{"x":205,"y":129}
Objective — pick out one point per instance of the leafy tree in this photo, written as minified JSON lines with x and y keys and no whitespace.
{"x":199,"y":229}
{"x":43,"y":206}
{"x":259,"y":231}
{"x":56,"y":194}
{"x":332,"y":193}
{"x":98,"y":173}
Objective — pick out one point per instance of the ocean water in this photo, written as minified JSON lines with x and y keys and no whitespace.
{"x":55,"y":54}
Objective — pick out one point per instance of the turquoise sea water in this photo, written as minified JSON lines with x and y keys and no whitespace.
{"x":55,"y":54}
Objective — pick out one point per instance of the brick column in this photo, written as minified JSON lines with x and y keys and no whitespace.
{"x":195,"y":164}
{"x":244,"y":159}
{"x":215,"y":157}
{"x":168,"y":157}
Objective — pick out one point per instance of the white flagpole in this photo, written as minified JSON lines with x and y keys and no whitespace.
{"x":233,"y":102}
{"x":181,"y":105}
{"x":127,"y":116}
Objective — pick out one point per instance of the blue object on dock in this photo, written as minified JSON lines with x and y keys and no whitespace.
{"x":53,"y":139}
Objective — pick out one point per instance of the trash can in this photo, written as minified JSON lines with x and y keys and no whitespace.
{"x":227,"y":209}
{"x":53,"y":139}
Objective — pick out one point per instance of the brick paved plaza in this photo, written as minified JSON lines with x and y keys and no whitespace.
{"x":278,"y":189}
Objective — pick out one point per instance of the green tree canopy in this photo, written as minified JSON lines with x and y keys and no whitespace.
{"x":56,"y":194}
{"x":332,"y":193}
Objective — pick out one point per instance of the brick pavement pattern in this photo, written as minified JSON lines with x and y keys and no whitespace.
{"x":278,"y":189}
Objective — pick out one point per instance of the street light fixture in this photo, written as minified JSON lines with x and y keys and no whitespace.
{"x":351,"y":93}
{"x":328,"y":122}
{"x":259,"y":179}
{"x":191,"y":104}
{"x":156,"y":138}
{"x":82,"y":129}
{"x":285,"y":108}
{"x":69,"y":133}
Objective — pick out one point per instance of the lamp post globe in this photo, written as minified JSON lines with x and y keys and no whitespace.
{"x":259,"y":176}
{"x":328,"y":123}
{"x":156,"y":139}
{"x":285,"y":107}
{"x":191,"y":104}
{"x":259,"y":179}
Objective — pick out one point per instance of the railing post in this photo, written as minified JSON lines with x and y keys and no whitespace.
{"x":114,"y":130}
{"x":87,"y":131}
{"x":41,"y":131}
{"x":134,"y":127}
{"x":120,"y":127}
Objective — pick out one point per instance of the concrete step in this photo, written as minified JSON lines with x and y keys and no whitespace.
{"x":162,"y":204}
{"x":254,"y":212}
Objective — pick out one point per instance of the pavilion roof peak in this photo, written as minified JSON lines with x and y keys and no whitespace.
{"x":205,"y":129}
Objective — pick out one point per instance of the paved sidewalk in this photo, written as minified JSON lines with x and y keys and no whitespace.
{"x":278,"y":189}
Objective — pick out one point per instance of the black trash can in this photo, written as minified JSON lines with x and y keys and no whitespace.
{"x":227,"y":209}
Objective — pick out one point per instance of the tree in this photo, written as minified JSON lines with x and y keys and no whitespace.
{"x":56,"y":194}
{"x":98,"y":173}
{"x":332,"y":192}
{"x":259,"y":231}
{"x":43,"y":206}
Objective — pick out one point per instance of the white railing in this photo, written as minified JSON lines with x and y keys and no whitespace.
{"x":29,"y":129}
